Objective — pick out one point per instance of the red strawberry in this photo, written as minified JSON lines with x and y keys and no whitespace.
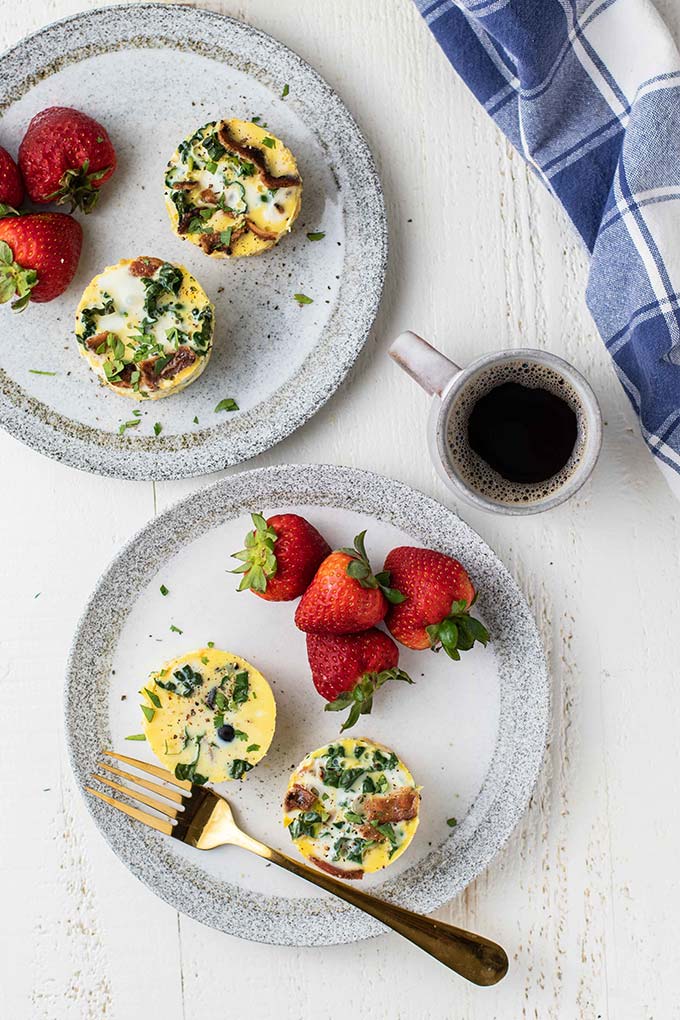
{"x":11,"y":184}
{"x":38,"y":256}
{"x":66,"y":156}
{"x":281,"y":557}
{"x":345,"y":596}
{"x":347,"y":669}
{"x":439,"y":594}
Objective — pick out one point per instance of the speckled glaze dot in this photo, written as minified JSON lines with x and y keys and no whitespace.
{"x":522,"y":731}
{"x":278,"y":359}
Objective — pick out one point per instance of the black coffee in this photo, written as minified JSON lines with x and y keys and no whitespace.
{"x":526,"y":434}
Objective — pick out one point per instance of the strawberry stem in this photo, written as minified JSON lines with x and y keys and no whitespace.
{"x":458,"y":631}
{"x":258,"y":562}
{"x":77,"y":186}
{"x":360,"y":699}
{"x":360,"y":569}
{"x":15,"y":281}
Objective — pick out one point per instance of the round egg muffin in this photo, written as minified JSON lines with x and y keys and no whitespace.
{"x":146,"y":327}
{"x":351,"y":807}
{"x":209,"y":716}
{"x":232,"y":188}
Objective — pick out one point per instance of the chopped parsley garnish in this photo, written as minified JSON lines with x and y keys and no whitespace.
{"x":451,"y":822}
{"x":213,"y":146}
{"x":228,"y":404}
{"x":269,"y":142}
{"x":148,"y":712}
{"x":195,"y":420}
{"x":37,"y":371}
{"x":187,"y":770}
{"x":302,"y":299}
{"x":240,"y":735}
{"x":163,"y":590}
{"x":316,"y":235}
{"x":303,"y":824}
{"x":252,"y":747}
{"x":157,"y":428}
{"x":353,"y":817}
{"x":124,"y":425}
{"x":241,"y":688}
{"x":340,"y":778}
{"x":175,"y":630}
{"x":136,"y":736}
{"x":185,"y":682}
{"x":238,"y":768}
{"x":285,"y":90}
{"x":152,"y":696}
{"x":387,"y":830}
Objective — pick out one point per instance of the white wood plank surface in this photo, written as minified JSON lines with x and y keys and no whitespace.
{"x":586,"y":896}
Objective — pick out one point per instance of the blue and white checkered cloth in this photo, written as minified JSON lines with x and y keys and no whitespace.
{"x":588,"y":91}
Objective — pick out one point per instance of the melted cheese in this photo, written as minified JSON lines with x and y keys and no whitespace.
{"x":188,"y":703}
{"x":134,"y":329}
{"x":342,"y":834}
{"x":239,"y":192}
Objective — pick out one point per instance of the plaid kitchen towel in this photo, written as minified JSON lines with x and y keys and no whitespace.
{"x":588,"y":91}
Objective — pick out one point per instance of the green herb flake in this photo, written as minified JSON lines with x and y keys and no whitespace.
{"x":211,"y":644}
{"x":269,"y":142}
{"x":195,"y":420}
{"x":228,"y":404}
{"x":316,"y":235}
{"x":302,"y":299}
{"x":252,"y":747}
{"x":152,"y":696}
{"x":238,"y":768}
{"x":175,"y":630}
{"x":163,"y":590}
{"x":149,"y":713}
{"x":451,"y":822}
{"x":285,"y":91}
{"x":127,"y":425}
{"x":157,"y":428}
{"x":136,"y":736}
{"x":37,"y":371}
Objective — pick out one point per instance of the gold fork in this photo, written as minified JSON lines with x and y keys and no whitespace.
{"x":203,"y":819}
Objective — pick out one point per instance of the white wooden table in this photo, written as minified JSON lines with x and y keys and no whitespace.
{"x":586,"y":895}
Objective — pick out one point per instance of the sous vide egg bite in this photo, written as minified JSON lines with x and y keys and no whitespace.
{"x":351,"y":807}
{"x":209,"y":716}
{"x":146,"y":327}
{"x":232,"y":188}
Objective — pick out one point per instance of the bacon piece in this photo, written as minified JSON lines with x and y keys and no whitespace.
{"x":182,"y":185}
{"x":184,"y":221}
{"x":299,"y":797}
{"x":256,"y":156}
{"x":147,"y":373}
{"x":211,"y":242}
{"x":181,"y":359}
{"x":96,"y":341}
{"x":145,"y":266}
{"x":397,"y":806}
{"x":124,"y":380}
{"x":369,"y":832}
{"x":337,"y":872}
{"x":209,"y":196}
{"x":266,"y":235}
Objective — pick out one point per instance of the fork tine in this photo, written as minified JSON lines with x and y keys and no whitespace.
{"x":143,"y":798}
{"x":133,"y":812}
{"x":141,"y":781}
{"x":153,"y":770}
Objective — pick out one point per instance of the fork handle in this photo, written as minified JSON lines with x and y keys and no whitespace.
{"x":472,"y":956}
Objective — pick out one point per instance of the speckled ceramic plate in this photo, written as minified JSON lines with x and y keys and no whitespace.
{"x":473,"y":733}
{"x":152,"y":73}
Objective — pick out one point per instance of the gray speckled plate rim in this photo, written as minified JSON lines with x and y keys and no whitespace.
{"x":525,"y":702}
{"x":249,"y":433}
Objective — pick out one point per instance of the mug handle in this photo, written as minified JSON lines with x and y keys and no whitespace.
{"x":423,"y":362}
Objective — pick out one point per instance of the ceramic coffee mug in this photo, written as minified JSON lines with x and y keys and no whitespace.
{"x":456,"y":391}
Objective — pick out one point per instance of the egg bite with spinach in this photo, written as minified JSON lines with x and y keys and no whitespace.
{"x":145,"y":326}
{"x":209,"y":716}
{"x":232,"y":188}
{"x":351,"y":807}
